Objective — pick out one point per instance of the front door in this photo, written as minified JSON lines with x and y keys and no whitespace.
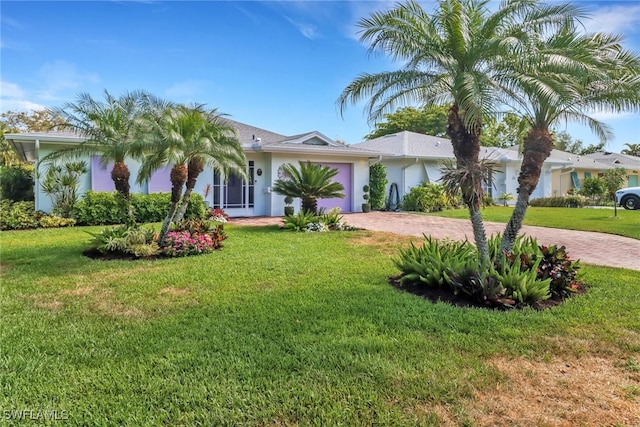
{"x":233,"y":195}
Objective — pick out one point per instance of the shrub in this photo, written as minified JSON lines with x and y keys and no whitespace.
{"x":193,"y":237}
{"x":377,"y":182}
{"x":16,"y":183}
{"x":299,"y":221}
{"x":530,"y":273}
{"x":52,"y":221}
{"x":61,"y":183}
{"x":571,"y":201}
{"x":126,"y":240}
{"x":103,"y":208}
{"x":17,"y":215}
{"x":427,"y":197}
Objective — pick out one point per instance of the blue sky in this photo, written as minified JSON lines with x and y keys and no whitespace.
{"x":279,"y":65}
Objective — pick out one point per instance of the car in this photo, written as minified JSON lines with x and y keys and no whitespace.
{"x":628,"y":198}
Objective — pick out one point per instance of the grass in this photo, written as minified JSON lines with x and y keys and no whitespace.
{"x":627,"y":223}
{"x":278,"y":328}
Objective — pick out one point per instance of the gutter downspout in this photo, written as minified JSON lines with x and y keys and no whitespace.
{"x":36,"y":174}
{"x":403,"y":175}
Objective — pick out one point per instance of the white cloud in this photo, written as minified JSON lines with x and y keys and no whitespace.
{"x":620,"y":18}
{"x":60,"y":78}
{"x":309,"y":31}
{"x":14,"y":98}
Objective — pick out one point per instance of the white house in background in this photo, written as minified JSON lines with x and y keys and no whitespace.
{"x":412,"y":158}
{"x":266,"y":152}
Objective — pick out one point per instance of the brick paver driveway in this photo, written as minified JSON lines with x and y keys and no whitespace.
{"x":589,"y":247}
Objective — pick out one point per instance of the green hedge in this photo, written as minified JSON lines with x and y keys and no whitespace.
{"x":16,"y":183}
{"x":560,"y":202}
{"x":102,"y":208}
{"x":428,"y":197}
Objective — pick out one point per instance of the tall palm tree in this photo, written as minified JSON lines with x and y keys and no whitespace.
{"x":188,"y":138}
{"x":310,"y":183}
{"x":566,"y":76}
{"x":450,"y":57}
{"x":632,"y":149}
{"x":111,"y":130}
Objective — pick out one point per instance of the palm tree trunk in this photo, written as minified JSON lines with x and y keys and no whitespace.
{"x":178,"y":177}
{"x":537,"y":148}
{"x":120,"y":175}
{"x":466,"y":148}
{"x":195,"y":168}
{"x":310,"y":204}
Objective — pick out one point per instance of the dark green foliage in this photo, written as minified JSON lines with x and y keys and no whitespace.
{"x":529,"y":274}
{"x":572,"y":201}
{"x":193,"y":226}
{"x":126,"y":240}
{"x":103,"y":208}
{"x":431,"y":120}
{"x":300,"y":221}
{"x":595,"y":188}
{"x":17,"y":215}
{"x":428,"y":197}
{"x":99,"y":208}
{"x":378,"y":183}
{"x":16,"y":183}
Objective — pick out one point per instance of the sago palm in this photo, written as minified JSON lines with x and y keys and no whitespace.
{"x":188,"y":138}
{"x":310,"y":182}
{"x":566,"y":76}
{"x":450,"y":57}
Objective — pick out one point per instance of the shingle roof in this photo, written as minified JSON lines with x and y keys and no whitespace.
{"x":417,"y":145}
{"x":616,"y":159}
{"x":577,"y":161}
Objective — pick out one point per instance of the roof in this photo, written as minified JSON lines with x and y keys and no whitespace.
{"x":407,"y":144}
{"x":616,"y":160}
{"x":252,"y":139}
{"x":572,"y":160}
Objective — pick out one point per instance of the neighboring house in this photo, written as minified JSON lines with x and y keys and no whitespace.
{"x":577,"y":168}
{"x":412,"y":158}
{"x":625,"y":161}
{"x":266,"y":152}
{"x":571,"y":174}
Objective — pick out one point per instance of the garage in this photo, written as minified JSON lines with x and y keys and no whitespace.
{"x":344,"y":177}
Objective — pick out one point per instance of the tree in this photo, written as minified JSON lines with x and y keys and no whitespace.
{"x":310,"y":182}
{"x":613,"y":180}
{"x":111,"y":129}
{"x":61,"y":184}
{"x":631,"y":150}
{"x":507,"y":132}
{"x":188,"y":138}
{"x":18,"y":122}
{"x":566,"y":75}
{"x":452,"y":56}
{"x":430,"y":120}
{"x":33,"y":121}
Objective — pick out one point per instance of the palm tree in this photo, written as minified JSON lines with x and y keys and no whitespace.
{"x":188,"y":138}
{"x":111,"y":131}
{"x":567,"y":75}
{"x":450,"y":57}
{"x":311,"y":182}
{"x":632,"y":149}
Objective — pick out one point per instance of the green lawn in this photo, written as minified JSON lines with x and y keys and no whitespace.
{"x":278,"y":328}
{"x":627,"y":223}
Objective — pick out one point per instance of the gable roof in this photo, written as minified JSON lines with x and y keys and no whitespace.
{"x":572,"y":160}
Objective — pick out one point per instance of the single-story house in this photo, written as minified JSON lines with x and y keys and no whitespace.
{"x":625,"y":161}
{"x":412,"y":158}
{"x":577,"y":168}
{"x":266,"y":152}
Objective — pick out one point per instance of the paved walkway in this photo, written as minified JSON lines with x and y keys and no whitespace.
{"x":587,"y":246}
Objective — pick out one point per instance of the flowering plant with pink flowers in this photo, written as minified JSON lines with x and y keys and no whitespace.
{"x":193,"y":237}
